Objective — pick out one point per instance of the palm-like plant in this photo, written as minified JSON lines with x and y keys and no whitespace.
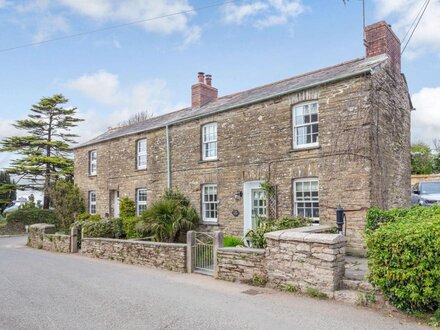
{"x":168,"y":217}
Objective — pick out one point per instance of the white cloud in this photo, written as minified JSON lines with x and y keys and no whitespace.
{"x":105,"y":89}
{"x":238,"y":13}
{"x":263,"y":14}
{"x":426,"y":118}
{"x":50,"y":25}
{"x":113,"y":12}
{"x":7,"y":129}
{"x":401,"y":14}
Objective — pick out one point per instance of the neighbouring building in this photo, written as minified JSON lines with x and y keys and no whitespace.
{"x":339,"y":136}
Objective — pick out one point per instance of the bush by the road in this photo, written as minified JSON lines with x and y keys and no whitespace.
{"x":404,"y":258}
{"x":376,"y":217}
{"x":30,"y":216}
{"x":108,"y":228}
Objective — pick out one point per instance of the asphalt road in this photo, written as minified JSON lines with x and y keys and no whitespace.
{"x":44,"y":290}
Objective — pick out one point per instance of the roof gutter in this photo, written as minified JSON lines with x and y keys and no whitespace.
{"x":322,"y":82}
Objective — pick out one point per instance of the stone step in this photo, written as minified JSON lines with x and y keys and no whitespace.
{"x":356,"y":285}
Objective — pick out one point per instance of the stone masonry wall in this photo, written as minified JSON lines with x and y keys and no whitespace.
{"x":255,"y":144}
{"x":40,"y":238}
{"x":305,"y":260}
{"x":240,"y":264}
{"x":169,"y":256}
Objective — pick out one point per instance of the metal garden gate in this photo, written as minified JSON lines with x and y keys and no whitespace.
{"x":204,"y":253}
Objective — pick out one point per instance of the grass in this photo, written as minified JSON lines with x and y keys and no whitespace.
{"x":291,"y":288}
{"x":259,"y":280}
{"x":232,"y":241}
{"x":314,"y":293}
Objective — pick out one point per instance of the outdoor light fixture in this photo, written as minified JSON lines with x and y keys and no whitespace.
{"x":238,"y":195}
{"x":340,"y":217}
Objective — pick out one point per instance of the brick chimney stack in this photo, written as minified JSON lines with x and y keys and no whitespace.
{"x":202,"y":92}
{"x":380,"y":39}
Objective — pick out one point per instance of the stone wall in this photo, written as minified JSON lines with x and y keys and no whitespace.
{"x":424,"y":177}
{"x":169,"y":256}
{"x":56,"y":243}
{"x":305,"y":259}
{"x":240,"y":264}
{"x":41,"y":236}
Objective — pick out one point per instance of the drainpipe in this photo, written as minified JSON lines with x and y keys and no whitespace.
{"x":168,"y":158}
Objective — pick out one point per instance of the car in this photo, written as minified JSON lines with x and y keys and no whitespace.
{"x":14,"y":207}
{"x":426,"y":193}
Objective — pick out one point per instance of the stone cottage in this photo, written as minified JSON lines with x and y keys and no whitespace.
{"x":338,"y":136}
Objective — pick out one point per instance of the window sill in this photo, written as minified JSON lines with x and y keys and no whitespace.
{"x":93,"y":175}
{"x":207,"y":223}
{"x":305,"y":148}
{"x":208,"y":160}
{"x":140,"y":169}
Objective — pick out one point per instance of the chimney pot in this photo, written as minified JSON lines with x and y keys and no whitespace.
{"x":208,"y":79}
{"x":201,"y":77}
{"x":202,"y":92}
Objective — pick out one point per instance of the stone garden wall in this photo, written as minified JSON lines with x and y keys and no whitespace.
{"x":305,"y":259}
{"x":300,"y":258}
{"x":240,"y":264}
{"x":169,"y":256}
{"x":41,"y":236}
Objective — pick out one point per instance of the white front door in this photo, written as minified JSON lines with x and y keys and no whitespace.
{"x":255,"y":204}
{"x":116,"y":204}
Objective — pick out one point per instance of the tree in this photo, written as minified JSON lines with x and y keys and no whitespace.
{"x":45,"y":150}
{"x":421,"y":159}
{"x":137,"y":118}
{"x":8,"y":191}
{"x":67,"y":202}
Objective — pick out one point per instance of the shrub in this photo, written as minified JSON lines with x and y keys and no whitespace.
{"x":232,"y":241}
{"x":404,"y":259}
{"x":129,"y":227}
{"x":169,"y":217}
{"x":108,"y":228}
{"x":266,"y":225}
{"x":376,"y":217}
{"x":127,"y":208}
{"x":66,"y":199}
{"x":89,"y":217}
{"x":29,"y":216}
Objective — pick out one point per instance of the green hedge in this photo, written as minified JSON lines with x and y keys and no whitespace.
{"x":404,"y":258}
{"x":129,"y":227}
{"x":29,"y":216}
{"x":108,"y":228}
{"x":376,"y":217}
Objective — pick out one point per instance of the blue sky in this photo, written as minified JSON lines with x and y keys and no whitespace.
{"x":151,"y":66}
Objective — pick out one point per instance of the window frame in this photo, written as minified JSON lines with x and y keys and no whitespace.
{"x":295,"y":126}
{"x":141,"y":203}
{"x":205,"y":203}
{"x":93,"y":162}
{"x":316,"y":220}
{"x":205,"y":143}
{"x":140,"y":154}
{"x":92,"y":203}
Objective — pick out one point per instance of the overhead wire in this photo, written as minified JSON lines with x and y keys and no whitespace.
{"x":70,"y":36}
{"x":415,"y":27}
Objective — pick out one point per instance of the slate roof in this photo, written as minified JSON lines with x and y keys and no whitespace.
{"x":232,"y":101}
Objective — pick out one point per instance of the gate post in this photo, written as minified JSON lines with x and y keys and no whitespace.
{"x":218,"y":243}
{"x":74,"y":240}
{"x":190,"y":254}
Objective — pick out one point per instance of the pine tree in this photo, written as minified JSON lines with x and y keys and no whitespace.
{"x":45,"y":150}
{"x":8,"y":192}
